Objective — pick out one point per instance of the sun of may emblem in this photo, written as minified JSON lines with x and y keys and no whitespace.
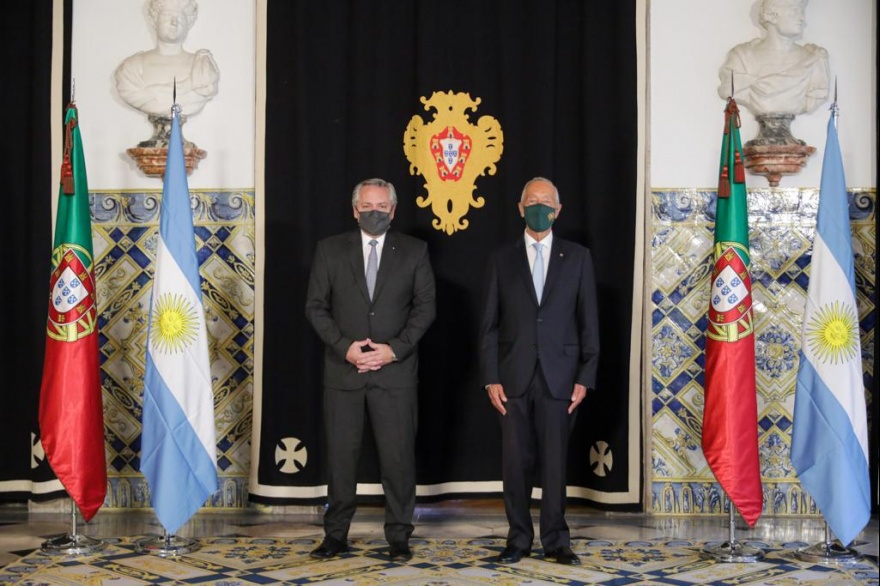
{"x":833,"y":333}
{"x":450,"y":153}
{"x":174,"y":324}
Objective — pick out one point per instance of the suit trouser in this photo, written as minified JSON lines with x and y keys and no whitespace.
{"x":534,"y":434}
{"x":393,"y":418}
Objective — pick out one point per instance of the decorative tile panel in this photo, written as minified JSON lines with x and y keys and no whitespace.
{"x":125,"y":227}
{"x":781,"y":226}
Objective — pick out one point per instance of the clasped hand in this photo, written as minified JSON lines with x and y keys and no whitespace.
{"x":367,"y":355}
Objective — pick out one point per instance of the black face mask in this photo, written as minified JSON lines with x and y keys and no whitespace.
{"x":374,"y":222}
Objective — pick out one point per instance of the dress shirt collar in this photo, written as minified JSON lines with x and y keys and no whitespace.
{"x":365,"y":247}
{"x":547,"y":241}
{"x":365,"y":240}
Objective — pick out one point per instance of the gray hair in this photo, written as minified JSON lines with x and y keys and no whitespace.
{"x":188,"y":8}
{"x":545,"y":180}
{"x":356,"y":194}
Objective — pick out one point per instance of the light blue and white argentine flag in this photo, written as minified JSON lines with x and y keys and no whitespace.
{"x":178,"y":449}
{"x":829,"y":446}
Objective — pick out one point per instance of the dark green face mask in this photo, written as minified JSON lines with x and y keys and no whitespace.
{"x":539,"y":217}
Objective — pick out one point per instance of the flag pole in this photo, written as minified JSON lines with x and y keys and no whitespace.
{"x":71,"y":415}
{"x":166,"y":545}
{"x":73,"y":543}
{"x":732,"y":550}
{"x":730,"y":410}
{"x":164,"y":470}
{"x":831,"y":551}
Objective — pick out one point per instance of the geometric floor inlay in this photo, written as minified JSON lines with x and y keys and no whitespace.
{"x":238,"y":560}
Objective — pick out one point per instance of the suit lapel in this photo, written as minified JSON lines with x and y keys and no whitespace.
{"x":521,"y":259}
{"x":554,"y":269}
{"x":386,"y":262}
{"x":356,"y":259}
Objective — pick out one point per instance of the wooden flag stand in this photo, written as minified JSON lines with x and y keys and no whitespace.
{"x":733,"y":550}
{"x":73,"y":543}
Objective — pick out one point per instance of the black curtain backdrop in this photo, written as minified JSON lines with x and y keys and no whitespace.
{"x":25,"y":156}
{"x":344,"y":79}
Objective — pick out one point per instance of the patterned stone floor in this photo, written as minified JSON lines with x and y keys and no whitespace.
{"x":454,"y":543}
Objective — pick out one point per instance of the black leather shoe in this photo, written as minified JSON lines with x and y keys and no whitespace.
{"x":330,"y":548}
{"x":400,"y":553}
{"x":562,"y":555}
{"x":512,"y":555}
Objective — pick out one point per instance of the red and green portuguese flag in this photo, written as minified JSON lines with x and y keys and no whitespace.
{"x":730,"y":417}
{"x":71,"y":411}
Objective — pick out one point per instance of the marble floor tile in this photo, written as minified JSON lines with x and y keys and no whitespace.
{"x":23,"y":530}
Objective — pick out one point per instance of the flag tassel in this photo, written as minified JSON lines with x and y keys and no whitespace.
{"x":724,"y":182}
{"x":731,"y":117}
{"x":739,"y":172}
{"x":67,"y":183}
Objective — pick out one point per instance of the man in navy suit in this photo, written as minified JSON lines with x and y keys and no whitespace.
{"x":370,"y":299}
{"x":539,"y":352}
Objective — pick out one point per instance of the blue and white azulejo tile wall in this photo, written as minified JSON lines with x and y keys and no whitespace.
{"x":781,"y":226}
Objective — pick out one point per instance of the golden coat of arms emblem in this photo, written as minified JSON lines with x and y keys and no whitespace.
{"x":450,"y":153}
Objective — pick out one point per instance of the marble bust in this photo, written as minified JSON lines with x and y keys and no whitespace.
{"x":774,"y":74}
{"x":777,"y":79}
{"x":146,"y":80}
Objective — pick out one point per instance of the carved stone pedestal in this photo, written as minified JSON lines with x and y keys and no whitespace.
{"x":151,"y":160}
{"x":151,"y":155}
{"x":776,"y":152}
{"x":774,"y":161}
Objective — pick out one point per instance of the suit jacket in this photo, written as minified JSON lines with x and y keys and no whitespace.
{"x":339,"y":307}
{"x":560,"y":335}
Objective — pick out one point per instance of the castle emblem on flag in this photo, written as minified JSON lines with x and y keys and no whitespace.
{"x":72,"y":311}
{"x":450,"y":153}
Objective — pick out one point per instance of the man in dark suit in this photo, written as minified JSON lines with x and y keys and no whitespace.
{"x":370,"y":299}
{"x":538,"y":357}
